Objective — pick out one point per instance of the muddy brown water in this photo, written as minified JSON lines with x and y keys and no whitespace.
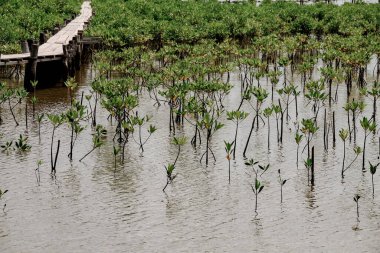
{"x":89,"y":208}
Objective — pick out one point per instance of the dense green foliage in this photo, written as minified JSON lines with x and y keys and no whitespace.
{"x":137,"y":21}
{"x":25,"y":19}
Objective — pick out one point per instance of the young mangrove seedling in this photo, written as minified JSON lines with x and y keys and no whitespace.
{"x":22,"y":144}
{"x":40,"y":117}
{"x":73,"y":117}
{"x":298,"y":138}
{"x":178,"y":141}
{"x":56,"y":120}
{"x":372,"y":169}
{"x":97,"y":142}
{"x":257,"y":187}
{"x":309,"y":128}
{"x":229,"y":150}
{"x":7,"y":146}
{"x":236,"y":117}
{"x":116,"y":151}
{"x":37,"y":172}
{"x":1,"y":195}
{"x":281,"y":181}
{"x":267,"y":113}
{"x":343,"y":134}
{"x":356,"y":108}
{"x":368,"y":127}
{"x":260,"y":94}
{"x":210,"y":123}
{"x":308,"y":164}
{"x":71,"y":85}
{"x":356,"y":199}
{"x":34,"y":98}
{"x":374,"y":93}
{"x":357,"y":150}
{"x":140,"y":122}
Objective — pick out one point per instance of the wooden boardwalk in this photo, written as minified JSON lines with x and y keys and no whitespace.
{"x":52,"y":49}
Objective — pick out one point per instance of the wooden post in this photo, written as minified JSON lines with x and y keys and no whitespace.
{"x":56,"y":30}
{"x":30,"y":43}
{"x":334,"y":139}
{"x":25,"y":47}
{"x":325,"y":131}
{"x":70,"y":59}
{"x":77,"y":52}
{"x":31,"y":67}
{"x":65,"y":62}
{"x":312,"y":166}
{"x":43,"y":38}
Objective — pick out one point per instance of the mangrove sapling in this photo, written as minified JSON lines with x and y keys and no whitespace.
{"x":116,"y":151}
{"x":274,"y":79}
{"x":7,"y":146}
{"x":372,"y":169}
{"x":1,"y":195}
{"x":178,"y":141}
{"x":257,"y":187}
{"x":22,"y":144}
{"x":316,"y":95}
{"x":210,"y":123}
{"x":285,"y":93}
{"x":229,"y":150}
{"x":71,"y":85}
{"x":260,"y":94}
{"x":343,"y":134}
{"x":267,"y":113}
{"x":374,"y":92}
{"x":309,"y":128}
{"x":281,"y":181}
{"x":97,"y":142}
{"x":236,"y":117}
{"x":308,"y":164}
{"x":37,"y":172}
{"x":368,"y":127}
{"x":88,"y":98}
{"x":39,"y":120}
{"x":329,"y":75}
{"x":298,"y":138}
{"x":56,"y":120}
{"x":34,"y":98}
{"x":277,"y":111}
{"x":356,"y":108}
{"x":140,"y":122}
{"x":357,"y":150}
{"x":8,"y":95}
{"x":356,"y":199}
{"x":73,"y":117}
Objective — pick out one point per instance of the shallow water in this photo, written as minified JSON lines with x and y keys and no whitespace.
{"x":90,"y":208}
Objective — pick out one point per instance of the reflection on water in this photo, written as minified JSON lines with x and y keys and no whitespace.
{"x":89,"y":208}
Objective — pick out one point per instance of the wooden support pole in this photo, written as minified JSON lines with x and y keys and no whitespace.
{"x":334,"y":137}
{"x":31,"y":67}
{"x":43,"y":38}
{"x":65,"y":62}
{"x":77,"y":56}
{"x":56,"y":30}
{"x":25,"y":47}
{"x":312,"y":166}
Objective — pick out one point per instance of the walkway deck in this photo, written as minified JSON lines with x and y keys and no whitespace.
{"x":53,"y":48}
